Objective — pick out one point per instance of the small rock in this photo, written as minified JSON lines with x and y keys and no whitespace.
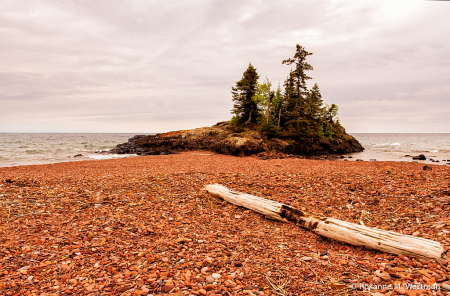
{"x":209,"y":287}
{"x":238,"y":263}
{"x":209,"y":279}
{"x":204,"y":270}
{"x":446,"y":287}
{"x":168,"y":287}
{"x":376,"y":294}
{"x":78,"y":155}
{"x":306,"y":258}
{"x":376,"y":280}
{"x":165,"y":259}
{"x":325,"y":257}
{"x":383,"y":275}
{"x":400,"y":291}
{"x":216,"y":276}
{"x":202,"y":292}
{"x":427,"y":168}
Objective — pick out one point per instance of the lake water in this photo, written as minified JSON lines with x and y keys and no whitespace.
{"x":26,"y":149}
{"x":394,"y":147}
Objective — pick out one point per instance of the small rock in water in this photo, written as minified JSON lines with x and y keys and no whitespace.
{"x":419,"y":157}
{"x":79,"y":155}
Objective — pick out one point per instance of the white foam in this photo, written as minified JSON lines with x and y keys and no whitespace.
{"x":388,"y":144}
{"x":110,"y":156}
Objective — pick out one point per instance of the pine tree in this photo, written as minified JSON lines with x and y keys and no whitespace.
{"x":245,"y":106}
{"x":296,"y":94}
{"x":278,"y":105}
{"x":314,"y":103}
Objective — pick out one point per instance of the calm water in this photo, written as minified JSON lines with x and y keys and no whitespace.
{"x":26,"y":149}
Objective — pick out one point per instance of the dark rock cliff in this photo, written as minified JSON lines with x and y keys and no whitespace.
{"x":224,"y":138}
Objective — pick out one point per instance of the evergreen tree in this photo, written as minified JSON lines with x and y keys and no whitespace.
{"x":278,"y":105}
{"x":314,"y":103}
{"x":296,"y":94}
{"x":290,"y":99}
{"x":245,"y":106}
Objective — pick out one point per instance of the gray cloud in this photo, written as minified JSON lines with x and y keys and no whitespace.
{"x":151,"y":66}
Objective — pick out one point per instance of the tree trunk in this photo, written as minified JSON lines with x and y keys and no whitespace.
{"x":354,"y":234}
{"x":279,"y":120}
{"x":269,"y":102}
{"x":249,"y":118}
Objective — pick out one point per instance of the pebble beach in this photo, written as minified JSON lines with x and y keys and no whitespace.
{"x":144,"y":226}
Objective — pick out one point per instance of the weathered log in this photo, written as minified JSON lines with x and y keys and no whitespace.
{"x":354,"y":234}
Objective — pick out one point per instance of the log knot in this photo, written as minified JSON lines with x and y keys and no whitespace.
{"x":299,"y":217}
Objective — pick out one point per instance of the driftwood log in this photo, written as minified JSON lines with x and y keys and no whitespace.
{"x":354,"y":234}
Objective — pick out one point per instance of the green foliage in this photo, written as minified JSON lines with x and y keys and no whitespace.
{"x":236,"y":121}
{"x":243,"y":94}
{"x":292,"y":108}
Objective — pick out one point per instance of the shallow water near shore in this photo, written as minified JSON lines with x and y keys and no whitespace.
{"x":29,"y":149}
{"x":397,"y":147}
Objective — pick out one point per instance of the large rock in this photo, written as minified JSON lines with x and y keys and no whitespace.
{"x":226,"y":139}
{"x":420,"y":157}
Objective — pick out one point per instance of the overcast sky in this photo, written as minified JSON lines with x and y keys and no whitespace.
{"x":153,"y":66}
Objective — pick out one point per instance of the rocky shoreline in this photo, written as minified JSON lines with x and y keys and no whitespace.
{"x":224,"y":138}
{"x":144,"y":225}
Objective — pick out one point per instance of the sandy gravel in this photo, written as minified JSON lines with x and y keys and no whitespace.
{"x":143,"y":226}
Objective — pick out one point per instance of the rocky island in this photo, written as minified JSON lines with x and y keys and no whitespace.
{"x":225,"y":138}
{"x":269,"y":123}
